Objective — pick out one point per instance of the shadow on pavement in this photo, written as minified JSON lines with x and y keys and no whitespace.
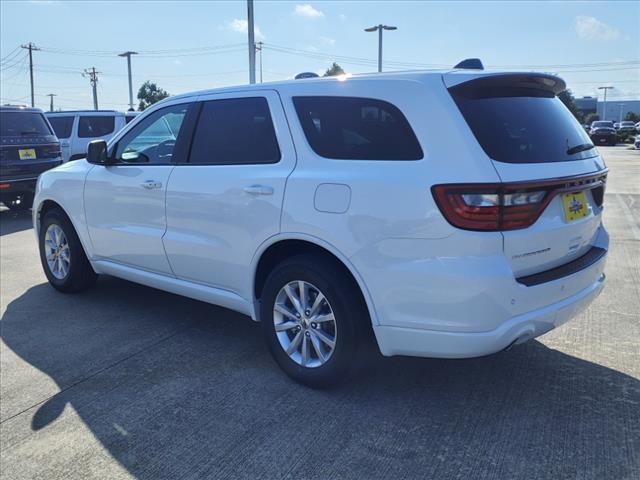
{"x":177,"y":388}
{"x":12,"y":221}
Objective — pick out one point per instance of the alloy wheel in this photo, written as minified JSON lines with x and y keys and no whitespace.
{"x":56,"y":249}
{"x":305,"y":324}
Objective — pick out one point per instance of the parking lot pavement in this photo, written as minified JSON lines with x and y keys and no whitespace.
{"x":126,"y":381}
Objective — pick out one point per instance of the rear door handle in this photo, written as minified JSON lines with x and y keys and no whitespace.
{"x":151,"y":184}
{"x":259,"y":190}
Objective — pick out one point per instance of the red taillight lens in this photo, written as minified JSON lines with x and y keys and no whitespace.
{"x":508,"y":206}
{"x":490,"y":207}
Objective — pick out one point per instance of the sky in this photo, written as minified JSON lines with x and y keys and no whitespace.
{"x":185,"y":46}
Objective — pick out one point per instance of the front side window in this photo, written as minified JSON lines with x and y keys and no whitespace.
{"x":350,"y":128}
{"x":96,"y":126}
{"x":235,"y":131}
{"x":153,"y":140}
{"x":62,"y":126}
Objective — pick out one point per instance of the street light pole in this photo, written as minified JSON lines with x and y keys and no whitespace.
{"x":604,"y":105}
{"x":379,"y":29}
{"x":51,"y":95}
{"x":621,"y":107}
{"x":259,"y":49}
{"x":128,"y":55}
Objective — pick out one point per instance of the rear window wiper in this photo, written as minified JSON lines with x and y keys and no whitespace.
{"x":580,"y":148}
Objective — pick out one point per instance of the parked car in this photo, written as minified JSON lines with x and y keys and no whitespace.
{"x":437,"y":214}
{"x":28,"y":147}
{"x":626,"y":126}
{"x":602,"y":132}
{"x":76,"y":129}
{"x":638,"y":127}
{"x":636,"y":142}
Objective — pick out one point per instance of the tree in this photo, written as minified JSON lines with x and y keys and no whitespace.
{"x":591,"y":117}
{"x":632,"y":116}
{"x":334,"y":70}
{"x":149,"y":94}
{"x":566,"y":97}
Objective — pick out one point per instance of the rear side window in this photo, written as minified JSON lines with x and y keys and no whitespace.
{"x":356,"y":129}
{"x":235,"y":131}
{"x":522,"y":125}
{"x":23,"y":124}
{"x":62,"y":126}
{"x":97,"y":126}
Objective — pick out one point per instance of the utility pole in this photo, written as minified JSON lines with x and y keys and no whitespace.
{"x":31,"y":47}
{"x":252,"y":44}
{"x":128,"y":55}
{"x":379,"y":29}
{"x":604,"y":106}
{"x":51,"y":95}
{"x":621,"y":107}
{"x":93,"y":79}
{"x":259,"y":49}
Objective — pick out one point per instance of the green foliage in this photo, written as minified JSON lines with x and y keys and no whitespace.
{"x":569,"y":101}
{"x":632,"y":116}
{"x":334,"y":70}
{"x":149,"y":94}
{"x":591,"y":117}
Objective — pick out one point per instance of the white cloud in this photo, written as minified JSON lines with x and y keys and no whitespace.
{"x":242,"y":26}
{"x":342,"y":17}
{"x":307,"y":11}
{"x":328,"y":41}
{"x":593,"y":29}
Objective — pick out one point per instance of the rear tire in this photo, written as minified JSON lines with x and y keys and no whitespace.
{"x":62,"y":256}
{"x":333,"y":346}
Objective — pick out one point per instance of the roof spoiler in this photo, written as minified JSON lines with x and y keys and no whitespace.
{"x":492,"y":84}
{"x":470,"y":64}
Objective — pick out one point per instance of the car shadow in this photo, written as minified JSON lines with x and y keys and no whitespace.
{"x":12,"y":221}
{"x":173,"y":387}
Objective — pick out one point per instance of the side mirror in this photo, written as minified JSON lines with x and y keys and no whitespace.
{"x":97,"y":152}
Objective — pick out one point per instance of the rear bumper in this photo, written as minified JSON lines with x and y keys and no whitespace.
{"x":14,"y":187}
{"x":442,"y":344}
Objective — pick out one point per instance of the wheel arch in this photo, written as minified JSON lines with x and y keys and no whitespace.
{"x":280,"y":247}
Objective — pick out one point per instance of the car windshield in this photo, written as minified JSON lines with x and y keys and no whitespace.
{"x":602,"y":124}
{"x":19,"y":124}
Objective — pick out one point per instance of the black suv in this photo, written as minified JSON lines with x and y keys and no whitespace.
{"x":28,"y":147}
{"x":603,"y":132}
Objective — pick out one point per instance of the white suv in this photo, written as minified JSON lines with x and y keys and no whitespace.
{"x":447,"y":214}
{"x":75,"y":129}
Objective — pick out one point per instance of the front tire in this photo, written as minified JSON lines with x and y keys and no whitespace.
{"x":62,"y":256}
{"x":313,"y":319}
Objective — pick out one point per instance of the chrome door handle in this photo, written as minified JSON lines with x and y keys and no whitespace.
{"x":151,"y":184}
{"x":259,"y":190}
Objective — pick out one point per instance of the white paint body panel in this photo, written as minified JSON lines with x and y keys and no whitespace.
{"x":431,"y":289}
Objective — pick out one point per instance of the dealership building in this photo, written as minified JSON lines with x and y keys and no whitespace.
{"x":615,"y":110}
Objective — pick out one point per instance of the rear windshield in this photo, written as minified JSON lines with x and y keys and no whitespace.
{"x":518,"y":125}
{"x":23,"y":124}
{"x":352,"y":128}
{"x":62,"y":126}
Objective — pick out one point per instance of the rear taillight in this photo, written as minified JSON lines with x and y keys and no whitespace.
{"x":51,"y":151}
{"x":504,"y":206}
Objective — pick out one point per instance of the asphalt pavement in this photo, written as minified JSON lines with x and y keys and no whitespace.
{"x":125,"y":381}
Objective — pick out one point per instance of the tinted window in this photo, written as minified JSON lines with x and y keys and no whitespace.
{"x":356,"y":129}
{"x":96,"y":126}
{"x":522,"y":125}
{"x":602,"y":124}
{"x":235,"y":131}
{"x":17,"y":124}
{"x":62,"y":126}
{"x":153,"y":140}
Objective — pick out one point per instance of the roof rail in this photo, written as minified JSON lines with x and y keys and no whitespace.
{"x":470,"y":64}
{"x":306,"y":75}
